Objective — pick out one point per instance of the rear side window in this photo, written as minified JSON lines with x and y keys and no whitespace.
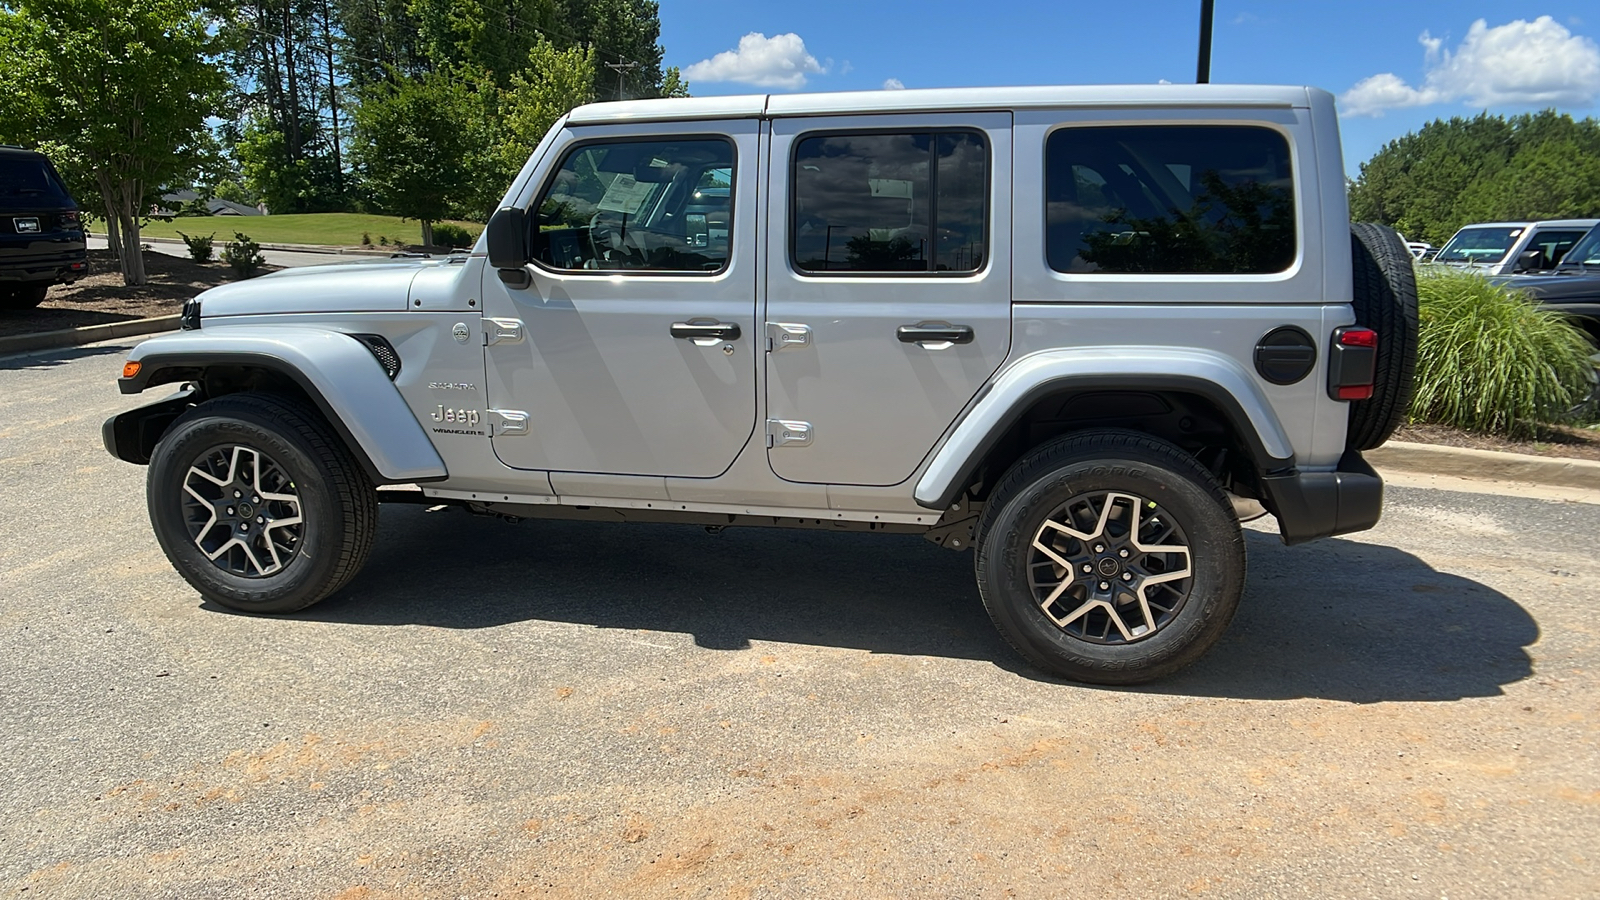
{"x":891,"y":202}
{"x":1169,"y":199}
{"x":660,"y":205}
{"x":28,"y":178}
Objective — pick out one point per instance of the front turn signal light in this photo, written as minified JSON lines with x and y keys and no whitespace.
{"x":130,"y":369}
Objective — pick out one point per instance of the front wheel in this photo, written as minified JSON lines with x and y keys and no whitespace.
{"x":1110,"y":557}
{"x":258,"y":505}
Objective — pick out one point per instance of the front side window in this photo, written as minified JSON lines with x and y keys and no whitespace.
{"x":890,"y":202}
{"x":1169,"y":199}
{"x":663,"y":205}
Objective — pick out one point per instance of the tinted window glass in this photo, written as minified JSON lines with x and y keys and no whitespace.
{"x":1554,"y":244}
{"x":22,"y":178}
{"x":1586,"y":253}
{"x":660,"y":205}
{"x":1181,"y":199}
{"x":894,"y":202}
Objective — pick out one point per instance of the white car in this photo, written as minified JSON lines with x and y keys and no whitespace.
{"x":1507,"y":248}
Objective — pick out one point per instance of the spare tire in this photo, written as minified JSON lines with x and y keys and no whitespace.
{"x":1385,"y":300}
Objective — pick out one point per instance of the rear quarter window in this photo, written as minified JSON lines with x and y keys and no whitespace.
{"x":1169,"y":199}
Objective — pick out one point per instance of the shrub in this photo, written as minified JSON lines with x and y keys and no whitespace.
{"x":244,"y":255}
{"x":383,"y":240}
{"x":453,"y":236}
{"x":366,"y":239}
{"x":199,"y":247}
{"x":1490,"y":359}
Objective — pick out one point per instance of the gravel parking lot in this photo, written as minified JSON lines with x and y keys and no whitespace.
{"x":588,"y":710}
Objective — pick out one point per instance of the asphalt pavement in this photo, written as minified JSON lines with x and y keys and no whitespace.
{"x":580,"y":710}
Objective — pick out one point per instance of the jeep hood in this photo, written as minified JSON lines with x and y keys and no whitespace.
{"x":355,"y":286}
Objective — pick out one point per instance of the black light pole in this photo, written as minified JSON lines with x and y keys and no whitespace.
{"x":1203,"y":73}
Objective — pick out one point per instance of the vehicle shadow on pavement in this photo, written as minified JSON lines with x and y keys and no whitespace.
{"x":1339,"y":619}
{"x":1334,"y":619}
{"x":49,"y":359}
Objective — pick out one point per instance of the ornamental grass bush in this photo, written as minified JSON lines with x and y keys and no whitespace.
{"x":1490,"y":359}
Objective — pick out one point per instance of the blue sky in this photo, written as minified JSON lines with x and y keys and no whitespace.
{"x":1394,"y":64}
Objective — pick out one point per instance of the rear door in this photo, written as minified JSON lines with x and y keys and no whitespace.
{"x":888,"y":289}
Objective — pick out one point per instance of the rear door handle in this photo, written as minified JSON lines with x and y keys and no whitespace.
{"x":934,"y":333}
{"x":716,"y":331}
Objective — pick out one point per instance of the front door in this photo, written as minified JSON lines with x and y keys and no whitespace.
{"x":889,"y":287}
{"x":633,"y":349}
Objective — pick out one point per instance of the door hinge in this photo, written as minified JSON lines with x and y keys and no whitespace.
{"x":787,"y":334}
{"x":501,"y":331}
{"x":511,"y":421}
{"x":783,"y":432}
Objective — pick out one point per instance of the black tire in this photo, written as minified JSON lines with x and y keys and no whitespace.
{"x":285,"y":447}
{"x":26,"y":297}
{"x":1386,"y":301}
{"x":1055,"y":476}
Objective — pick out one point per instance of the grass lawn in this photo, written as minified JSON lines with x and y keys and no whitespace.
{"x":338,"y":229}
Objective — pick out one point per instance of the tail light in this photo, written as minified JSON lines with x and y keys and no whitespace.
{"x":71,"y":220}
{"x":1352,"y":363}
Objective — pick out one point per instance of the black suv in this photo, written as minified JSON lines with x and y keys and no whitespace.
{"x":41,"y":234}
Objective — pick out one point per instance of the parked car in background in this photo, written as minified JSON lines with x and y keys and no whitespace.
{"x":1508,"y":248}
{"x":41,"y":234}
{"x":1421,"y":249}
{"x":1572,"y":286}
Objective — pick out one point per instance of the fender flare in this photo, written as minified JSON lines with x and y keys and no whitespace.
{"x":336,"y":371}
{"x":1216,"y":377}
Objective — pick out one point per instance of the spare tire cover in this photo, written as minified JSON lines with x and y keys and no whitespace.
{"x":1385,"y":300}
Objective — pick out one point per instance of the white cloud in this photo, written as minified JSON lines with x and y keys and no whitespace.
{"x":780,"y":61}
{"x":893,"y":84}
{"x":1520,"y":63}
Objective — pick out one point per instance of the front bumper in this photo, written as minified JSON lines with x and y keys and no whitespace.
{"x":1310,"y":505}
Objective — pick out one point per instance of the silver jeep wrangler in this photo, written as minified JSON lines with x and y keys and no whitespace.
{"x":1073,"y":328}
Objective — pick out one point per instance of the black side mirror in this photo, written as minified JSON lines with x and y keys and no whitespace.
{"x":508,"y":238}
{"x":1529,"y":261}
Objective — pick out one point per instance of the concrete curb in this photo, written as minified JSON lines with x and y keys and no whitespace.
{"x":86,"y":334}
{"x":1462,"y":462}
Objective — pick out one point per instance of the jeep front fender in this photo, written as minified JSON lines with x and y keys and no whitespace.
{"x":1216,"y":377}
{"x":336,"y":371}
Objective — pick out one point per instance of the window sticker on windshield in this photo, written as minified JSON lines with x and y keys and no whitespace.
{"x":626,"y":195}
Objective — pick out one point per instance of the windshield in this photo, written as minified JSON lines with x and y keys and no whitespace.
{"x":1585,"y":253}
{"x":1480,"y":246}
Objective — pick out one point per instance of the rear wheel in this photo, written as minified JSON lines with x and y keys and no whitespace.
{"x":1110,"y":557}
{"x":26,"y":297}
{"x":258,"y":506}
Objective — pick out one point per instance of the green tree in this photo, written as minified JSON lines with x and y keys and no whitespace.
{"x":1458,"y":171}
{"x":413,"y":141}
{"x":553,"y":82}
{"x":126,"y":83}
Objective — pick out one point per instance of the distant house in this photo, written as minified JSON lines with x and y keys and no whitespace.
{"x":175,"y":200}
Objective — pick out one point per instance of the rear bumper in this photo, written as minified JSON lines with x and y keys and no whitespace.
{"x":62,"y":270}
{"x":1310,"y":505}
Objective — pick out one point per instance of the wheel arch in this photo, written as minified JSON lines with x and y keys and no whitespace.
{"x":1194,"y":399}
{"x":333,"y":372}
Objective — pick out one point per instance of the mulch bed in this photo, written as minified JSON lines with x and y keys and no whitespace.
{"x":101,"y":297}
{"x":1555,"y":440}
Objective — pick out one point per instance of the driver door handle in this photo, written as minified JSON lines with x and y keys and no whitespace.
{"x":934,"y":332}
{"x":720,"y":331}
